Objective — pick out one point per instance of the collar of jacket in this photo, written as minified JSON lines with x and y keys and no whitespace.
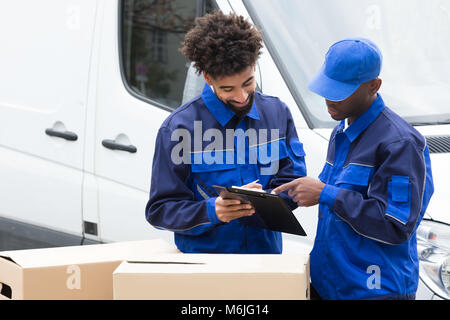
{"x":364,"y":120}
{"x":220,"y":110}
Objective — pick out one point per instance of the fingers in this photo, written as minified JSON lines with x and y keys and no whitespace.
{"x":238,"y":214}
{"x":284,"y":187}
{"x":225,"y":203}
{"x":238,"y":207}
{"x":232,"y":215}
{"x":253,"y":186}
{"x":228,"y":210}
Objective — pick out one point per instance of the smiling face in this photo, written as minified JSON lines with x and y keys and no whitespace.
{"x":237,"y":91}
{"x":355,"y":105}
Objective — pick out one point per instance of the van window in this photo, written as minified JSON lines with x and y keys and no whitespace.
{"x":152,"y":32}
{"x":412,"y":35}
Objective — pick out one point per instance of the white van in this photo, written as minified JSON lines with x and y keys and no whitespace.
{"x":85,"y":85}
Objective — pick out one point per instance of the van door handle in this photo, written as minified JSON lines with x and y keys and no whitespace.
{"x":112,"y":145}
{"x":67,"y":135}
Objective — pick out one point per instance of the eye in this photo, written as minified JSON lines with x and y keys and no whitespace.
{"x":248,"y":84}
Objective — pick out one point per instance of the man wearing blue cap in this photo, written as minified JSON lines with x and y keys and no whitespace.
{"x":374,"y":188}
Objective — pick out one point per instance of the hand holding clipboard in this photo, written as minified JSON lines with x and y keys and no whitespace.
{"x":228,"y":209}
{"x":270,"y":210}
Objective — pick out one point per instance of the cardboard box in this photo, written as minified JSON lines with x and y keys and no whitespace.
{"x":77,"y":272}
{"x":214,"y":277}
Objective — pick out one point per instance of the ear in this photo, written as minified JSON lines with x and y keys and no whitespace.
{"x":374,"y":86}
{"x":208,"y":78}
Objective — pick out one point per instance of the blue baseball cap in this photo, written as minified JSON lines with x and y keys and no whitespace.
{"x":348,"y":64}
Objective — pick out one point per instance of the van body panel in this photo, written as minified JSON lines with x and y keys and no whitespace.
{"x":440,"y":164}
{"x":43,"y":93}
{"x":123,"y":177}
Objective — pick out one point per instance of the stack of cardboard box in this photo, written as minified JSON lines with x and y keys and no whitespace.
{"x":151,"y":269}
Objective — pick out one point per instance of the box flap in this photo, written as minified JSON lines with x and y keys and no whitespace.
{"x":166,"y":258}
{"x":5,"y":255}
{"x":140,"y":250}
{"x":217,"y":263}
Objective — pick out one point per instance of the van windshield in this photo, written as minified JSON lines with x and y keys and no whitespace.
{"x":413,"y":35}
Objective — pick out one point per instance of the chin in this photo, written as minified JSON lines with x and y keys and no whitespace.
{"x":241,"y":111}
{"x":336,"y":118}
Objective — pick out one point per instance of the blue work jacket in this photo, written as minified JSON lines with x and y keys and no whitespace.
{"x":378,"y":185}
{"x":182,"y":197}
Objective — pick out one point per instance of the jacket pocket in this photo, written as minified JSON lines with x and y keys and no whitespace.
{"x":325,"y":175}
{"x":210,"y":169}
{"x":356,"y":177}
{"x":268,"y":156}
{"x":356,"y":174}
{"x":269,"y":152}
{"x":297,"y":155}
{"x":399,"y":198}
{"x":297,"y":148}
{"x":212,"y":161}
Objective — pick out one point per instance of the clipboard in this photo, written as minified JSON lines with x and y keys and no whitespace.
{"x":271,"y":210}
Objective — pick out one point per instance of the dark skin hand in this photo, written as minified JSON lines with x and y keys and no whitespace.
{"x":304,"y":191}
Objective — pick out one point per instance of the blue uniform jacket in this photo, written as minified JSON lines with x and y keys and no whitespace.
{"x":182,"y":197}
{"x":378,"y":185}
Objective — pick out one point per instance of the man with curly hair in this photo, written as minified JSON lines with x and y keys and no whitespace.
{"x":231,"y":135}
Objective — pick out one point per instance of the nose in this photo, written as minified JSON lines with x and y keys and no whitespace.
{"x":332,"y":104}
{"x":329,"y":103}
{"x":241,"y":96}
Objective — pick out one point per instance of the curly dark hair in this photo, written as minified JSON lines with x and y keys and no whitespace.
{"x":222,"y":45}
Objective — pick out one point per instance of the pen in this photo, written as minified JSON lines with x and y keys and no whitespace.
{"x":246,"y":184}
